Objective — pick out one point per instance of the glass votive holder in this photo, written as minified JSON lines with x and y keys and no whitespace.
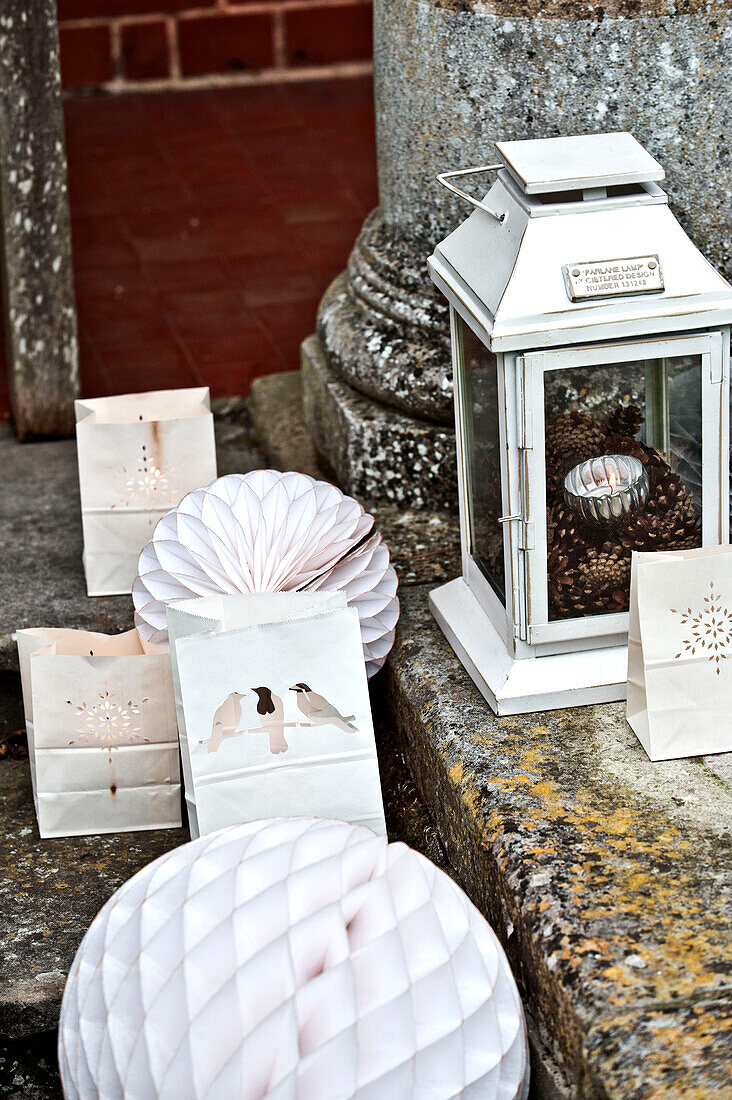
{"x":607,"y":489}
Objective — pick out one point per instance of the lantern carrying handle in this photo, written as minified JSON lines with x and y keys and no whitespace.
{"x":444,"y":177}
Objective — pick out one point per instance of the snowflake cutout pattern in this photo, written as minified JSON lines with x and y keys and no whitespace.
{"x":148,"y":481}
{"x":711,"y":628}
{"x":108,"y":723}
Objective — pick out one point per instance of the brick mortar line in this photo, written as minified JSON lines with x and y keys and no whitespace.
{"x":115,"y":51}
{"x":279,"y":39}
{"x":256,"y":7}
{"x":342,"y":70}
{"x":171,"y":39}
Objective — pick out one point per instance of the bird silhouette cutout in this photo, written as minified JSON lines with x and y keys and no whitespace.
{"x":272,"y":718}
{"x":225,"y":721}
{"x":319,"y":711}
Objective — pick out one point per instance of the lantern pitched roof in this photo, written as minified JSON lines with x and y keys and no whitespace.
{"x":516,"y":275}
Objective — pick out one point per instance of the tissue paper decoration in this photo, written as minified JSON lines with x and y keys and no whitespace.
{"x":102,"y":736}
{"x":269,"y":532}
{"x":291,"y":957}
{"x":273,"y":709}
{"x":138,"y":455}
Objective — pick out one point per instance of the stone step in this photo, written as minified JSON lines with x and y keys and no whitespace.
{"x":609,"y":878}
{"x":50,"y":890}
{"x":424,"y":544}
{"x":41,"y":575}
{"x":378,"y":455}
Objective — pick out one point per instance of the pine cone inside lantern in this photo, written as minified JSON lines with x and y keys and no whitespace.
{"x":608,"y":567}
{"x":670,"y":520}
{"x":625,"y":421}
{"x":570,"y":439}
{"x":588,"y":567}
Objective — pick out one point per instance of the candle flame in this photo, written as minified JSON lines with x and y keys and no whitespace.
{"x":612,"y":479}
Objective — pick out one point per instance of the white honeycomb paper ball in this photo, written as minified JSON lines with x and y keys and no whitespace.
{"x":269,"y":532}
{"x":291,"y":958}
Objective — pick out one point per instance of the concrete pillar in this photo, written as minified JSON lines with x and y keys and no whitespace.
{"x":38,"y":287}
{"x":451,"y":77}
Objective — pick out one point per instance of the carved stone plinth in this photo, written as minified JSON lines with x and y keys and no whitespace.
{"x":378,"y":454}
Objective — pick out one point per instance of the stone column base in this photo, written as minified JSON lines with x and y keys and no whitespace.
{"x":376,"y":454}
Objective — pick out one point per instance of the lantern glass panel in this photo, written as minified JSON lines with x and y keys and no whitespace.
{"x":482,"y":444}
{"x":650,"y":410}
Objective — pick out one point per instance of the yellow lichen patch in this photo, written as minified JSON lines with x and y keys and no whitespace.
{"x":623,"y":878}
{"x":623,"y":869}
{"x":637,"y":879}
{"x":468,"y":791}
{"x":532,"y":759}
{"x":690,"y":1052}
{"x":619,"y":823}
{"x":592,"y":945}
{"x":548,"y":849}
{"x":620,"y":976}
{"x":544,"y":789}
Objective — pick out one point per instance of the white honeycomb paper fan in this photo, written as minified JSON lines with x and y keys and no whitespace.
{"x":289,"y":958}
{"x":267,"y":532}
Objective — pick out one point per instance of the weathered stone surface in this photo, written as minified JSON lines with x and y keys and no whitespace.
{"x":275,"y":409}
{"x":384,"y":325}
{"x":28,"y":1068}
{"x":41,"y":574}
{"x":50,"y":890}
{"x":665,"y":1050}
{"x":12,"y":717}
{"x":452,"y":76}
{"x":237,"y":449}
{"x":424,"y":545}
{"x":608,"y":877}
{"x":377,"y":455}
{"x":35,"y":249}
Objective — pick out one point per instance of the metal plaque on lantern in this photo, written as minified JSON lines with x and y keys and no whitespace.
{"x":590,"y":343}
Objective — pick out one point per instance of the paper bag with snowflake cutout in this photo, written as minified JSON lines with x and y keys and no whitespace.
{"x":102,"y":736}
{"x":680,"y":652}
{"x":273,"y":709}
{"x":139,"y":454}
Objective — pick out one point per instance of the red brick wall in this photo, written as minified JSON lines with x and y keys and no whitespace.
{"x":119,"y":45}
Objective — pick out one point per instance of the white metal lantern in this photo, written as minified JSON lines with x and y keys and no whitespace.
{"x":590,"y":343}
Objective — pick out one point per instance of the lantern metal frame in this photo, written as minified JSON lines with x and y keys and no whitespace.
{"x":519,"y":658}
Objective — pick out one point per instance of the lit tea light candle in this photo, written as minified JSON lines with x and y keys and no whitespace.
{"x":605,"y":489}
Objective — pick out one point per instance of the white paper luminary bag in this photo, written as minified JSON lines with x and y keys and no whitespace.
{"x":139,"y":454}
{"x":680,"y":652}
{"x":102,"y":737}
{"x":273,"y":709}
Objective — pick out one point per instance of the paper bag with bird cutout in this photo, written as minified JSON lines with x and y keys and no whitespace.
{"x":273,"y":709}
{"x":680,"y":652}
{"x":139,"y":454}
{"x":102,"y":737}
